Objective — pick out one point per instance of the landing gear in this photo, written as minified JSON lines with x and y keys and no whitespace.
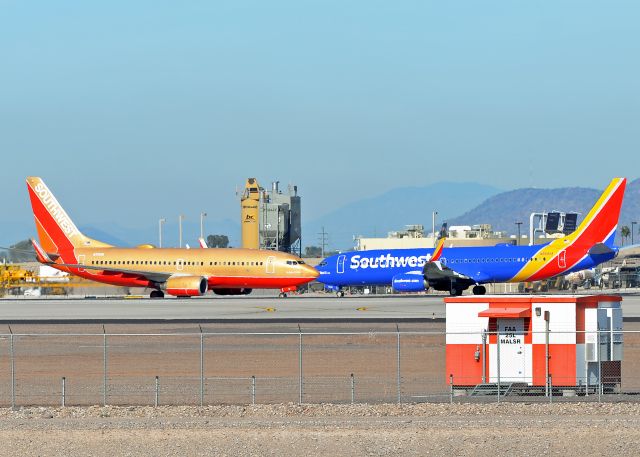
{"x":454,"y":291}
{"x":479,"y":290}
{"x":340,"y":294}
{"x":156,"y":294}
{"x":282,"y":295}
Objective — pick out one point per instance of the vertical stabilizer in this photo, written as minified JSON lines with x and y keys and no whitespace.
{"x":56,"y":231}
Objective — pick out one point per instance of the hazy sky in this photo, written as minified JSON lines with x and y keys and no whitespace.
{"x":135,"y":110}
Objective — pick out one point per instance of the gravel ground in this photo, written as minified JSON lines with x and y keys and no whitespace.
{"x":288,"y":429}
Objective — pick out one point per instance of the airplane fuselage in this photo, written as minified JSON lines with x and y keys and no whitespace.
{"x":224,"y":268}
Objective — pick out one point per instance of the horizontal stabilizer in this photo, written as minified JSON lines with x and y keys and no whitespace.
{"x":41,"y":254}
{"x":599,"y":249}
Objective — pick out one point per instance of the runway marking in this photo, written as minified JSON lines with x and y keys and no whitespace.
{"x":362,"y":308}
{"x":268,"y":309}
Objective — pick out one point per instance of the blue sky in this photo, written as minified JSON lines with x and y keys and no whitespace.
{"x":135,"y":110}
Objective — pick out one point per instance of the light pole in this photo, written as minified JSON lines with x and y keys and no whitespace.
{"x":202,"y":216}
{"x":180,"y":218}
{"x":433,"y":220}
{"x":632,"y":224}
{"x":518,"y":240}
{"x":160,"y":222}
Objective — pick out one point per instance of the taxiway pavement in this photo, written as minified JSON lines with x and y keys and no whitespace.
{"x":303,"y":308}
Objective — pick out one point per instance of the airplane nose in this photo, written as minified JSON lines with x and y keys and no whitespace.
{"x":310,"y":271}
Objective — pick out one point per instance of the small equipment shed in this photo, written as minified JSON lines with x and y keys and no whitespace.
{"x":534,"y":343}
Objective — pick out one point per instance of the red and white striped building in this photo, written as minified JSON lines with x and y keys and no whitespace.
{"x":518,"y":325}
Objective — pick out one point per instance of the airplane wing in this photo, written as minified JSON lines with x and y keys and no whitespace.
{"x":153,"y":276}
{"x":50,"y":259}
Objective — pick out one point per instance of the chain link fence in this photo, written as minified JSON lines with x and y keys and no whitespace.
{"x":355,"y":367}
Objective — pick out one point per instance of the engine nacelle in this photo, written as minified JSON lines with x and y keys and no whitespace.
{"x":408,"y":282}
{"x":243,"y":291}
{"x":186,"y":286}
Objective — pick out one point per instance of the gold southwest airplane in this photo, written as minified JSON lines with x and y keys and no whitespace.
{"x":179,"y":272}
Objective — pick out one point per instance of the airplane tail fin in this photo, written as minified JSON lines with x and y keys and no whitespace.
{"x":56,"y":231}
{"x":600,"y":224}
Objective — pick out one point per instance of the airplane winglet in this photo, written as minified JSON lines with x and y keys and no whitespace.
{"x":41,"y":255}
{"x":437,"y":251}
{"x":203,"y":243}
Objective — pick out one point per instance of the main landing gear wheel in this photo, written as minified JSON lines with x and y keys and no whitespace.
{"x":157,"y":294}
{"x":340,"y":294}
{"x":454,"y":291}
{"x":479,"y":290}
{"x":282,"y":295}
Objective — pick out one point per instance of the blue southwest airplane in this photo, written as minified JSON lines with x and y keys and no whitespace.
{"x":455,"y":269}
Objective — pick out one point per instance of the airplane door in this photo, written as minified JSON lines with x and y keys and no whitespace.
{"x":562,"y":259}
{"x":81,"y":261}
{"x":271,"y":264}
{"x":340,"y":264}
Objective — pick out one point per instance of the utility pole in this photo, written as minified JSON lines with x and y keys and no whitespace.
{"x":632,"y":225}
{"x":433,"y":220}
{"x":202,"y":216}
{"x":160,"y":222}
{"x":518,"y":240}
{"x":323,"y":241}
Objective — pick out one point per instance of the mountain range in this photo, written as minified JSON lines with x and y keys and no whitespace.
{"x":504,"y":209}
{"x":456,"y":204}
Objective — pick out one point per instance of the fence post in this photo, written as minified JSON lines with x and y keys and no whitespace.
{"x":64,"y":389}
{"x":104,"y":367}
{"x":599,"y":369}
{"x":253,"y":390}
{"x":13,"y":372}
{"x":484,"y":356}
{"x":550,"y":384}
{"x":299,"y":365}
{"x":399,"y":380}
{"x":451,"y":388}
{"x":353,"y":389}
{"x":201,"y":367}
{"x":498,"y":361}
{"x":155,"y":403}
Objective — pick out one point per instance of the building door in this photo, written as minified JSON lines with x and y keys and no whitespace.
{"x":271,"y":264}
{"x":562,"y":259}
{"x":340,"y":264}
{"x":512,"y":351}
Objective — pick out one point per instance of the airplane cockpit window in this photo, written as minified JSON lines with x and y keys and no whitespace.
{"x":322,"y":264}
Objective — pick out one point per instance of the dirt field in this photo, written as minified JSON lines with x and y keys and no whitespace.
{"x":381,"y":430}
{"x":231,"y":361}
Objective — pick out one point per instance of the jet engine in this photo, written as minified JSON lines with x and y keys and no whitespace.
{"x":408,"y":282}
{"x":243,"y":291}
{"x":186,"y":286}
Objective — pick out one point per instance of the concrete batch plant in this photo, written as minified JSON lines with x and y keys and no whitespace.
{"x":534,"y":344}
{"x":271,"y":219}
